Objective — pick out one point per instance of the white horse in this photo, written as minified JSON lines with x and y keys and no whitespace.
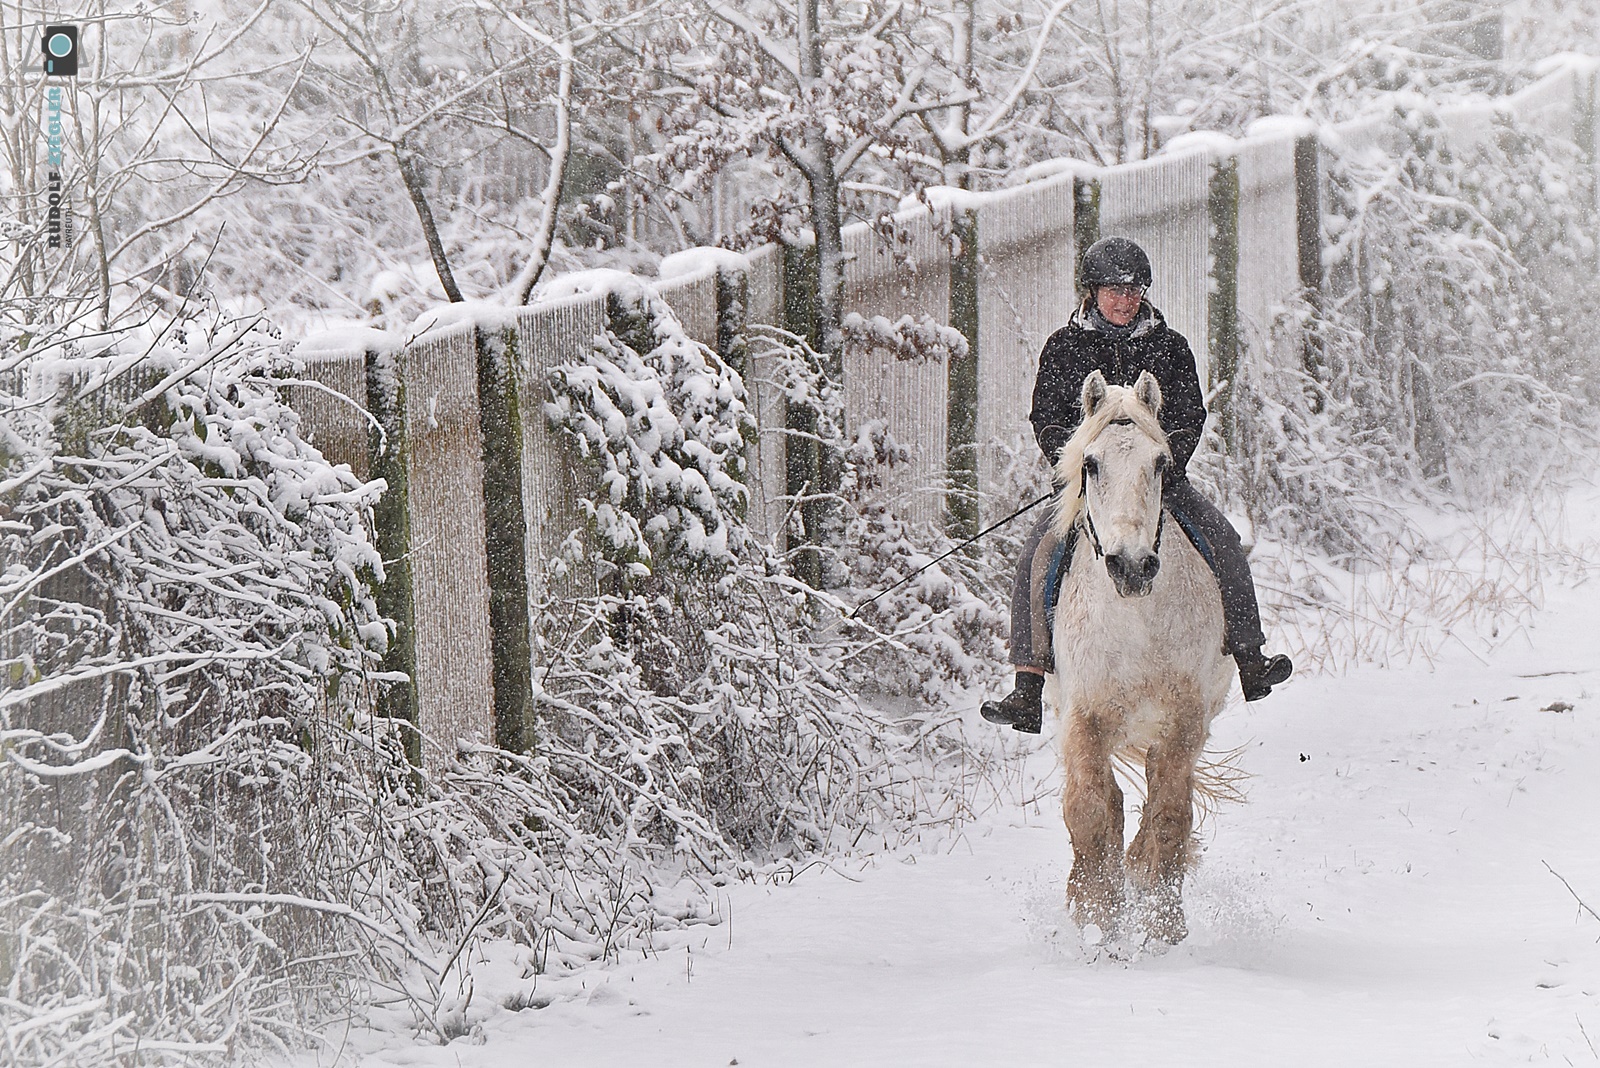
{"x":1140,"y":665}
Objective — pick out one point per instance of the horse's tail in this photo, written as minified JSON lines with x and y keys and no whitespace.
{"x":1218,"y":778}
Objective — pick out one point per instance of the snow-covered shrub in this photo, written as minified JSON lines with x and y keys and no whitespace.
{"x":662,"y":419}
{"x":186,"y":605}
{"x":1448,"y":357}
{"x":941,"y":628}
{"x":1442,"y":374}
{"x":210,"y":845}
{"x":914,"y":339}
{"x":708,"y":716}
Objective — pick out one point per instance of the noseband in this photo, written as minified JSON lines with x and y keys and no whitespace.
{"x":1088,"y":520}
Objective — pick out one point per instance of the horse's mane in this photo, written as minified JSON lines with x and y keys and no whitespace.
{"x":1121,"y":404}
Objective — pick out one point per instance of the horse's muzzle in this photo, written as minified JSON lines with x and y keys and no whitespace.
{"x":1132,"y":574}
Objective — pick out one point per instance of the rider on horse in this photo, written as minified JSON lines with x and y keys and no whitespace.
{"x":1119,"y":333}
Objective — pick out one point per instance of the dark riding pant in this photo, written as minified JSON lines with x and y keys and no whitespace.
{"x":1044,"y":557}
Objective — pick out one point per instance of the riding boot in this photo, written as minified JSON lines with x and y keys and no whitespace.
{"x":1023,"y":707}
{"x":1259,"y":674}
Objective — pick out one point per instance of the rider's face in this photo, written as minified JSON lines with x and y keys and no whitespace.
{"x":1119,"y":304}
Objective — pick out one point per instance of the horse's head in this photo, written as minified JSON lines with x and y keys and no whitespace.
{"x":1112,"y":468}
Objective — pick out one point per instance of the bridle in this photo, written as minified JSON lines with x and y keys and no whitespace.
{"x":1088,"y":520}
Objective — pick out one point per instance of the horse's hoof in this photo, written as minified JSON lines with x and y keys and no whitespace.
{"x":1171,"y":928}
{"x":1099,"y":908}
{"x":1161,"y":916}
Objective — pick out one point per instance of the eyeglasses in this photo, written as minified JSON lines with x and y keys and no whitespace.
{"x":1125,"y":292}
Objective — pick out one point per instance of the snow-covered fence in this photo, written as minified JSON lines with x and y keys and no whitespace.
{"x":693,"y":299}
{"x":547,"y":335}
{"x":901,"y":271}
{"x":1163,"y":204}
{"x":768,"y":482}
{"x":333,"y":402}
{"x":1027,"y":266}
{"x":1234,"y":229}
{"x":1269,"y":264}
{"x":445,"y":510}
{"x":424,"y":437}
{"x":1548,"y":105}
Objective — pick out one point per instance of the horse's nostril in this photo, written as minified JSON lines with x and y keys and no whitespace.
{"x":1135,"y":573}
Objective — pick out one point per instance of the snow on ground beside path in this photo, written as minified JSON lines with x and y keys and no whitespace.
{"x":1386,"y":896}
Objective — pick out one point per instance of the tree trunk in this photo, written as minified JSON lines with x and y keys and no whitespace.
{"x":416,"y":188}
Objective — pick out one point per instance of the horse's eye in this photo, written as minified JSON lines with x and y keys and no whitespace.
{"x":1161,"y":464}
{"x":1091,"y":467}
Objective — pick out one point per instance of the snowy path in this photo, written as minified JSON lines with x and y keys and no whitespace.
{"x":1383,"y":898}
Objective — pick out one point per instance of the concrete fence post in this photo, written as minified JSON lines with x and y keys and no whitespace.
{"x":733,"y":319}
{"x":803,"y":459}
{"x":387,"y":448}
{"x":1085,"y":220}
{"x":1308,"y":180}
{"x":506,"y":529}
{"x":1584,"y":116}
{"x":961,"y":383}
{"x":1223,"y":297}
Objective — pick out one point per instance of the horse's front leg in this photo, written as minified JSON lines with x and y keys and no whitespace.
{"x":1091,"y":804}
{"x":1159,"y":855}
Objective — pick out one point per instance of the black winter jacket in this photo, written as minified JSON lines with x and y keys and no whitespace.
{"x":1079,"y":348}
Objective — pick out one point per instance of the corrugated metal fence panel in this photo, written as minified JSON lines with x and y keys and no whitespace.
{"x":450,"y":574}
{"x":334,"y":419}
{"x":766,"y":285}
{"x":548,"y":335}
{"x":1549,"y":107}
{"x":1026,"y":291}
{"x":768,"y":479}
{"x":908,"y":275}
{"x":693,"y":299}
{"x":1163,"y":204}
{"x":1269,"y":251}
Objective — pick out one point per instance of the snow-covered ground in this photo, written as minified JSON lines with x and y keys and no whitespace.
{"x":1392,"y":893}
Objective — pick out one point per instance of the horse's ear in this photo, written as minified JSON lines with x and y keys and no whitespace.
{"x":1148,"y":391}
{"x":1094,"y":392}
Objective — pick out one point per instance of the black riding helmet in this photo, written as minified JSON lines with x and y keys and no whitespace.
{"x":1115,"y":261}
